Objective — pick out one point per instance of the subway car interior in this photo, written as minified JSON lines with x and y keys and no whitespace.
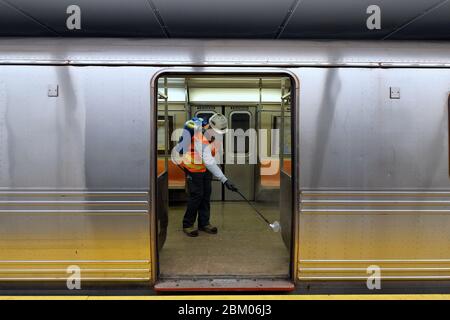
{"x":258,"y":110}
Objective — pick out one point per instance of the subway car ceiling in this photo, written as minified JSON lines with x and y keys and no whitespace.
{"x":223,"y":90}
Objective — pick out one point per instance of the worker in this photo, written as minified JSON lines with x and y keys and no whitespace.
{"x":199,"y":164}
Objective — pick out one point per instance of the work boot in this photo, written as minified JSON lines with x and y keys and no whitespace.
{"x":191,"y":231}
{"x":209,"y":229}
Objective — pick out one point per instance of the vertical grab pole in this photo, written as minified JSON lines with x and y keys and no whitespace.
{"x":166,"y":124}
{"x":257,"y":173}
{"x":187,"y":108}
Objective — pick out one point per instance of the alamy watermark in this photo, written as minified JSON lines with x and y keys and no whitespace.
{"x":73,"y":21}
{"x":374,"y":280}
{"x":373,"y":22}
{"x":243,"y":147}
{"x":74,"y":279}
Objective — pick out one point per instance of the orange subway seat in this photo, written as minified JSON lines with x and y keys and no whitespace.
{"x":176,"y":176}
{"x":273,"y":180}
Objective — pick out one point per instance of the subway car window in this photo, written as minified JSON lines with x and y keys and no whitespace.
{"x":240,"y":120}
{"x":204,"y":114}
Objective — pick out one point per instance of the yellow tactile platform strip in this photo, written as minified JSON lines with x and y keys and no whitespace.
{"x":243,"y":297}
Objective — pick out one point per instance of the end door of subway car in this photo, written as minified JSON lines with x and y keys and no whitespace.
{"x":255,"y":154}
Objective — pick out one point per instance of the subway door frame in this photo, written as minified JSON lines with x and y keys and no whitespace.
{"x":228,"y":71}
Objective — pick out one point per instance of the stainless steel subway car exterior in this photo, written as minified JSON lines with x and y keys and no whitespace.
{"x":77,"y":154}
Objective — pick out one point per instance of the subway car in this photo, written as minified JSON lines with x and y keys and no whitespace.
{"x":351,"y":141}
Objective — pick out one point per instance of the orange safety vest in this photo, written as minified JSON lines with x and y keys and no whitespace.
{"x":193,"y":161}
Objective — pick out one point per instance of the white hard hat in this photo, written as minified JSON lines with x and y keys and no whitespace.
{"x":219,"y":123}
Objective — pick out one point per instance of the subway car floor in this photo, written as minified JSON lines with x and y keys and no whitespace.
{"x":244,"y":245}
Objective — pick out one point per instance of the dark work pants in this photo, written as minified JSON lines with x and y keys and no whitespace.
{"x":199,"y":189}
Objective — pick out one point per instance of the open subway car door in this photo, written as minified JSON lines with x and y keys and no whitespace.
{"x":246,"y":254}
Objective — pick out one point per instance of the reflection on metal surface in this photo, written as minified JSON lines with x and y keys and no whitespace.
{"x":177,"y":52}
{"x":103,"y":233}
{"x":339,"y":241}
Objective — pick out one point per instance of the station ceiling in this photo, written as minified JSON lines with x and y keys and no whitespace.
{"x":261,"y":19}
